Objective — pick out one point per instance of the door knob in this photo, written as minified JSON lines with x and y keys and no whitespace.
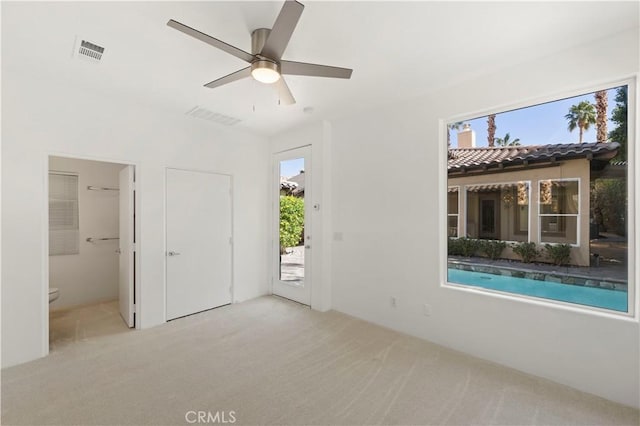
{"x":173,"y":253}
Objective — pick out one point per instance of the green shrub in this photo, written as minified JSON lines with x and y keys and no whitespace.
{"x":468,"y":246}
{"x":527,"y":251}
{"x":492,"y":248}
{"x":291,"y":221}
{"x":453,"y":247}
{"x":560,"y":254}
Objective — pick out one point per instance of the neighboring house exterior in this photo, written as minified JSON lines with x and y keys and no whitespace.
{"x":525,"y":193}
{"x":293,"y":185}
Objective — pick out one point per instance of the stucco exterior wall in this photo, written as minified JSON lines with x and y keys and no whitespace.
{"x":571,"y":169}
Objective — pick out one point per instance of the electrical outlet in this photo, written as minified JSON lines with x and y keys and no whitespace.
{"x":426,"y":310}
{"x":394,"y":301}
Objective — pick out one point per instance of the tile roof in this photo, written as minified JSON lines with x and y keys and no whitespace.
{"x":299,"y":180}
{"x":464,"y":159}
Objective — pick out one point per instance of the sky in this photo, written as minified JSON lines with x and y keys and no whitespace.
{"x":539,"y":125}
{"x":291,"y":168}
{"x":536,"y":125}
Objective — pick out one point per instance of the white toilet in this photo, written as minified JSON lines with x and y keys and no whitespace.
{"x":54,"y":293}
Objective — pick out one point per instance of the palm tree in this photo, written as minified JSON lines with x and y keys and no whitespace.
{"x":452,"y":126}
{"x":601,"y":118}
{"x":619,"y":117}
{"x":581,"y":116}
{"x":491,"y":129}
{"x":506,"y":141}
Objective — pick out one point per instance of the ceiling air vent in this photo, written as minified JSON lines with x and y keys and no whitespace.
{"x":89,"y":51}
{"x":205,"y":114}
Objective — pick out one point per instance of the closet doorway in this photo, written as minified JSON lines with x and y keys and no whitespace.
{"x":92,"y":254}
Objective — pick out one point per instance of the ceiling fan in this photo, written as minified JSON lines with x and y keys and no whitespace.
{"x":265,"y":59}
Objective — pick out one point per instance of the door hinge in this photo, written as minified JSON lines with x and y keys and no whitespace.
{"x":135,"y":310}
{"x":230,"y":240}
{"x":133,"y":247}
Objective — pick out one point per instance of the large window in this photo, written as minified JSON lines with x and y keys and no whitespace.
{"x":537,"y":201}
{"x":559,"y":211}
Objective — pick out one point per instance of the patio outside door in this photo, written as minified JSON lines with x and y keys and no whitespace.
{"x":292,"y":225}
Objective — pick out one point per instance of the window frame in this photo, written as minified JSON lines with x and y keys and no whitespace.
{"x":457,"y":215}
{"x":633,"y":212}
{"x":578,"y":215}
{"x":466,"y":191}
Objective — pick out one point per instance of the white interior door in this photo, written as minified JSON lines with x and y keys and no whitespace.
{"x":292,"y":244}
{"x":198,"y":241}
{"x":127,"y":249}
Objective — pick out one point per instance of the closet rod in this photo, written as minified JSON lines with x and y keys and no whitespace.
{"x":101,"y":188}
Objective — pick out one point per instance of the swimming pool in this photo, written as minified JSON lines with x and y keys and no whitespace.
{"x":590,"y":296}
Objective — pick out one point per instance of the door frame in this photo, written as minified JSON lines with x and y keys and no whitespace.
{"x":308,"y":230}
{"x":233,"y":237}
{"x":45,"y":237}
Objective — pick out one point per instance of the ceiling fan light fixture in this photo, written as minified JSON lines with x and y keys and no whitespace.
{"x":265,"y":71}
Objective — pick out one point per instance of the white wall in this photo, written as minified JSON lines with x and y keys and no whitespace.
{"x":92,"y":274}
{"x":40,"y":118}
{"x":388,"y":182}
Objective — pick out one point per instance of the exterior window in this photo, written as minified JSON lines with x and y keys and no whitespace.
{"x":559,"y":211}
{"x":452,"y":211}
{"x":542,"y":211}
{"x":63,"y":214}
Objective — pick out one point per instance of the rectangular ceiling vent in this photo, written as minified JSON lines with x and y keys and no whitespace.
{"x":88,"y":51}
{"x":205,"y":114}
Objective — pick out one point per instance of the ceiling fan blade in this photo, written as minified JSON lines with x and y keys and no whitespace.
{"x":234,"y":76}
{"x":313,"y":70}
{"x":282,"y":30}
{"x":284,"y":94}
{"x":238,"y":53}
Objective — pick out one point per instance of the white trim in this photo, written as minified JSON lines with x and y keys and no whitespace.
{"x":443,"y":181}
{"x":578,"y":216}
{"x":45,"y":261}
{"x":462,"y":202}
{"x":633,"y":182}
{"x":457,"y":215}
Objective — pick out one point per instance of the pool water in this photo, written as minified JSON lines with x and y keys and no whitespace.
{"x":590,"y":296}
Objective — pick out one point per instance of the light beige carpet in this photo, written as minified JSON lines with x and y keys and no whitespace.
{"x":272,"y":361}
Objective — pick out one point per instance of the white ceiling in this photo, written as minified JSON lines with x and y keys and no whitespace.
{"x":397,"y":50}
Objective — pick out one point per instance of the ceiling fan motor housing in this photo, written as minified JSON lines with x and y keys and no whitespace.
{"x":258,"y":39}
